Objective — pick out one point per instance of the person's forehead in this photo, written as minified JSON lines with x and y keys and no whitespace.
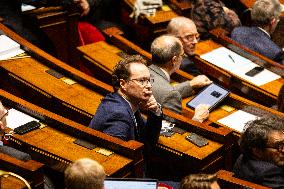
{"x":188,"y":29}
{"x":138,"y":69}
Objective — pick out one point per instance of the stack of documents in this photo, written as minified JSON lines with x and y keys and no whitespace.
{"x":16,"y":118}
{"x":238,"y":65}
{"x":233,"y":120}
{"x":9,"y":48}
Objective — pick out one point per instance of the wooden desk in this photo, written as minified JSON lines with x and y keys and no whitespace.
{"x":103,"y":56}
{"x":31,"y":171}
{"x":148,"y":27}
{"x":182,"y":7}
{"x":268,"y":91}
{"x":54,"y":144}
{"x":226,"y":179}
{"x":60,"y":25}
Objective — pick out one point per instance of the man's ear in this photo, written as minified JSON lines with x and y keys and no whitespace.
{"x":122,"y":84}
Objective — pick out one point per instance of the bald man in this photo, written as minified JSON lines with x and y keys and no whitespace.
{"x":167,"y":53}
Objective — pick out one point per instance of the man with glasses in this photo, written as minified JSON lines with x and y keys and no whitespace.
{"x":167,"y":54}
{"x":265,"y":17}
{"x":119,"y":113}
{"x":185,"y":29}
{"x":262,"y":159}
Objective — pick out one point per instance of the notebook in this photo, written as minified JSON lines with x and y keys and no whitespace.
{"x":212,"y":95}
{"x":130,"y":183}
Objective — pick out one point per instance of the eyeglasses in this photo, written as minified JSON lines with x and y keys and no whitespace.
{"x":278,"y":146}
{"x":4,"y":115}
{"x":191,"y":37}
{"x":143,"y":81}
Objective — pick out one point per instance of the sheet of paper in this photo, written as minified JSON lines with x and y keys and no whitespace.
{"x":8,"y":48}
{"x":233,"y":120}
{"x":16,"y":118}
{"x":238,"y":65}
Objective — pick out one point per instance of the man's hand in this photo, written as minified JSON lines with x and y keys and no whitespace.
{"x":83,"y":6}
{"x":200,"y":81}
{"x":151,"y":105}
{"x":201,"y":113}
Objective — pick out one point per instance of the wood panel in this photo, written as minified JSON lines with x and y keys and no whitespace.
{"x":226,"y":179}
{"x":30,"y":170}
{"x":53,"y":144}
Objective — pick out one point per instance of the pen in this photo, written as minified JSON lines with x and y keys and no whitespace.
{"x":231,"y":58}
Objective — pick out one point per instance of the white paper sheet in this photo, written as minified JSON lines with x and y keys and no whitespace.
{"x":16,"y":118}
{"x":9,"y":48}
{"x":237,"y":120}
{"x":238,"y":65}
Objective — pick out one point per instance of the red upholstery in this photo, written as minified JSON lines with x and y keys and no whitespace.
{"x":89,"y":34}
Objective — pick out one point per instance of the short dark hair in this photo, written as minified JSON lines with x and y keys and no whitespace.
{"x":198,"y":181}
{"x":163,"y":53}
{"x":257,"y":133}
{"x":121,"y":69}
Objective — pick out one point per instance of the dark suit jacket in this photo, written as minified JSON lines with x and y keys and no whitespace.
{"x":259,"y":41}
{"x":114,"y":116}
{"x":260,"y":172}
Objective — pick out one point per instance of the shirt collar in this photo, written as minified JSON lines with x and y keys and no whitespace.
{"x":167,"y":74}
{"x":264,"y":31}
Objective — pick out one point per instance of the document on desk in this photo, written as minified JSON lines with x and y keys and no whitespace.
{"x":16,"y":118}
{"x":9,"y":48}
{"x":233,"y":120}
{"x":238,"y":65}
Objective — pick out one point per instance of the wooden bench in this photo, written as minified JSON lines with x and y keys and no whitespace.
{"x":30,"y":170}
{"x":53,"y":144}
{"x":61,"y":26}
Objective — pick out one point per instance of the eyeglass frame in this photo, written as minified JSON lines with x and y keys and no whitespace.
{"x":279,"y":146}
{"x":143,"y":81}
{"x":190,"y":37}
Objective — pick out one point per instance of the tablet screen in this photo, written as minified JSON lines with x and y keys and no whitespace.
{"x":211,"y":95}
{"x":116,"y":183}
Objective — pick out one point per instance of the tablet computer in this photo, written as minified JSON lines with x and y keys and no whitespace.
{"x":212,"y":95}
{"x":130,"y":183}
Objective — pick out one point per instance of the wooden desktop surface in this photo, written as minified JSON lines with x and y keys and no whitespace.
{"x":54,"y":144}
{"x":177,"y":142}
{"x":62,"y":145}
{"x":269,"y":90}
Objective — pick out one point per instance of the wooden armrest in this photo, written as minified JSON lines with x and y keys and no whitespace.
{"x":227,"y":180}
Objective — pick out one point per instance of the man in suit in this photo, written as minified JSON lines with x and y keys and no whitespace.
{"x":265,"y":16}
{"x":185,"y":29}
{"x":119,"y":113}
{"x":262,"y":158}
{"x":167,"y":53}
